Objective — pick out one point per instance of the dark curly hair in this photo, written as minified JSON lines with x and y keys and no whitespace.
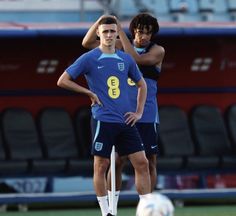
{"x":144,"y":20}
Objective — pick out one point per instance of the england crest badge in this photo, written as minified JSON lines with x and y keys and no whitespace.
{"x":98,"y":146}
{"x":121,"y":66}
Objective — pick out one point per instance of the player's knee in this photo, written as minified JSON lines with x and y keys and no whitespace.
{"x":101,"y":166}
{"x":142,"y":164}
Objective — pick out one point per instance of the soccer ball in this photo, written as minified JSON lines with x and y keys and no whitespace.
{"x":155,"y":205}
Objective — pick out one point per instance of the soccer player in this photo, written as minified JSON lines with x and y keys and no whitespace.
{"x":149,"y":57}
{"x":106,"y":71}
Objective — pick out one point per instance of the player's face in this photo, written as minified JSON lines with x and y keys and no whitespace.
{"x":107,"y":34}
{"x":142,"y":37}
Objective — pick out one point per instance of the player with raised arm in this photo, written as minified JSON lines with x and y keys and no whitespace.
{"x":106,"y":71}
{"x":149,"y":57}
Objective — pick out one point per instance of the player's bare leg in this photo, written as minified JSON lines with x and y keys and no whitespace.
{"x":99,"y":179}
{"x":142,"y":175}
{"x":152,"y":159}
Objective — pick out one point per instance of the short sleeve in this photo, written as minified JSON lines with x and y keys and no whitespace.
{"x":78,"y":68}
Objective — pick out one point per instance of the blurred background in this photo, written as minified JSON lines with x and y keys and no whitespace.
{"x":45,"y":135}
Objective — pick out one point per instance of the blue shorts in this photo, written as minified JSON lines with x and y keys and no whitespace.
{"x":125,"y":138}
{"x":149,"y":135}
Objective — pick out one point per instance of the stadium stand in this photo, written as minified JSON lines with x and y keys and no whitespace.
{"x":213,"y":10}
{"x":184,"y":11}
{"x":90,"y":10}
{"x":124,"y":9}
{"x":161,"y":8}
{"x":232,"y":9}
{"x":50,"y":10}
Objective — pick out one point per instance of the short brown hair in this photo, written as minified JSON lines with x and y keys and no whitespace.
{"x":107,"y":20}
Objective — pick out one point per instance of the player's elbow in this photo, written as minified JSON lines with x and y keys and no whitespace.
{"x":88,"y":45}
{"x":85,"y":44}
{"x":61,"y":81}
{"x":141,"y":84}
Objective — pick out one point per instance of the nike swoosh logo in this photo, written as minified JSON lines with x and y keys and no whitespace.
{"x":99,"y":67}
{"x":152,"y":147}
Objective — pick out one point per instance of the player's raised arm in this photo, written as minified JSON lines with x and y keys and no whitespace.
{"x":91,"y":41}
{"x":154,"y":57}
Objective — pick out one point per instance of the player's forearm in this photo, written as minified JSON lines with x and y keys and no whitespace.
{"x":65,"y":82}
{"x":90,"y":38}
{"x":128,"y":47}
{"x":142,"y":95}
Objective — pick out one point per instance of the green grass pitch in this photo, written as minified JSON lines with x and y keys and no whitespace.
{"x":220,"y":210}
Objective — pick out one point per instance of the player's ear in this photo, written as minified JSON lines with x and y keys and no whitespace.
{"x":97,"y":32}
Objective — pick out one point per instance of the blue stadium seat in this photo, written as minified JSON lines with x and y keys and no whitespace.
{"x":216,"y":6}
{"x":220,"y":6}
{"x":159,"y":8}
{"x":184,"y":10}
{"x":232,"y":9}
{"x":221,"y":17}
{"x":213,"y":10}
{"x":191,"y":5}
{"x":231,"y":4}
{"x":190,"y":17}
{"x":124,"y":9}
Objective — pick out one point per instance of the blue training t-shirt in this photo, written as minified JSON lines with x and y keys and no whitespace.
{"x":150,"y":113}
{"x":107,"y":75}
